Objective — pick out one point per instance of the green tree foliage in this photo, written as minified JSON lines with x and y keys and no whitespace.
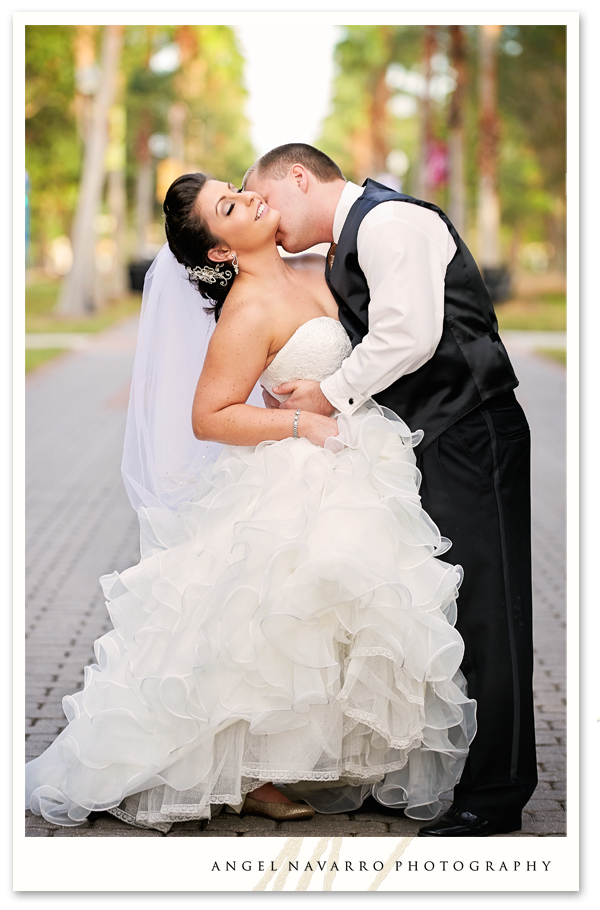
{"x":211,"y":84}
{"x":360,"y":131}
{"x":531,"y":109}
{"x":147,"y":95}
{"x":53,"y":147}
{"x":532,"y":93}
{"x":208,"y":79}
{"x":532,"y":102}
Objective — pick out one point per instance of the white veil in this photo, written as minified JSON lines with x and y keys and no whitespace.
{"x":161,"y":456}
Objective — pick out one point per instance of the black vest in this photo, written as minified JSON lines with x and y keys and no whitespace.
{"x":470,"y":363}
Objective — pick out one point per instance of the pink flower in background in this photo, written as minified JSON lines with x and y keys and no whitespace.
{"x":437,"y":164}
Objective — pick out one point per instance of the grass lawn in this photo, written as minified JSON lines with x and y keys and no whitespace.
{"x":560,"y":356}
{"x":545,"y":312}
{"x":34,"y":358}
{"x":40,"y":300}
{"x":542,"y":313}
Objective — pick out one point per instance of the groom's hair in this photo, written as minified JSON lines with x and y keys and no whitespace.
{"x":276,"y":164}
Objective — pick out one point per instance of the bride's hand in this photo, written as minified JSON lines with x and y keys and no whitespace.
{"x":316,"y":428}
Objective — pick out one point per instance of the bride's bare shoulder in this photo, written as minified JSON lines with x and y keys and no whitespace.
{"x":245,"y":307}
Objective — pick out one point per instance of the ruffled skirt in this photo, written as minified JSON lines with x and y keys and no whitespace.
{"x":292,"y":623}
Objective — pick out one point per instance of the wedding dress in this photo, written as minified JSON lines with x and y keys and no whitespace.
{"x":291,"y":623}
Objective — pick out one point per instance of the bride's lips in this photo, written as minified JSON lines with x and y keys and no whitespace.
{"x":261,"y":209}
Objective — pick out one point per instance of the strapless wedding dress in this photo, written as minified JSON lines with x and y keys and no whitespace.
{"x":292,"y":622}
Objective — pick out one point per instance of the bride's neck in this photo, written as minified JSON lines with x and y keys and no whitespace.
{"x":265,"y":265}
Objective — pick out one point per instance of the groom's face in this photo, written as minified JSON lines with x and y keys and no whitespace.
{"x":294,"y":233}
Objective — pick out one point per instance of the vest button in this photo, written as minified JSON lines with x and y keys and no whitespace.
{"x":351,"y":401}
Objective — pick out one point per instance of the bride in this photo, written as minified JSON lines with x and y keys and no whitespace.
{"x":289,"y":631}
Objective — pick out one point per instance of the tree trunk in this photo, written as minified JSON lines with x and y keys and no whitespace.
{"x":378,"y":116}
{"x":78,"y":292}
{"x":177,"y":117}
{"x":488,"y":214}
{"x":144,"y":204}
{"x":378,"y":108}
{"x":116,"y":197}
{"x":117,"y":206}
{"x":362,"y":153}
{"x":424,"y":184}
{"x":456,"y":140}
{"x":84,"y":53}
{"x":558,"y":238}
{"x":144,"y":189}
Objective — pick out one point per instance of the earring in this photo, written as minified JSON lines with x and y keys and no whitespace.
{"x":234,"y":263}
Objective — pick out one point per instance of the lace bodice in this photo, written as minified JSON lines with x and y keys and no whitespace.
{"x":315,"y":351}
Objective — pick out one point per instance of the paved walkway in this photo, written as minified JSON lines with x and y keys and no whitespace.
{"x":528,"y":342}
{"x":80,"y":525}
{"x":75,"y":341}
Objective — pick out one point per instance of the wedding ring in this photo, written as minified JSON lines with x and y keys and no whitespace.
{"x":295,"y":427}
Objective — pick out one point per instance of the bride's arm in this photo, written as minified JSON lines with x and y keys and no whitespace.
{"x":236,"y":356}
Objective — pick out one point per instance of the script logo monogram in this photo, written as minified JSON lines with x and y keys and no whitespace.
{"x":289,"y":854}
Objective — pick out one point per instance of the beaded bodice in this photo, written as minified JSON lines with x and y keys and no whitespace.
{"x":315,"y":351}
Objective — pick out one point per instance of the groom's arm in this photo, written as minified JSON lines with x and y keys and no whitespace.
{"x":404,"y":251}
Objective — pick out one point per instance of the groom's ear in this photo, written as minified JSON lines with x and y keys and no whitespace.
{"x":300,"y":176}
{"x":218,"y":255}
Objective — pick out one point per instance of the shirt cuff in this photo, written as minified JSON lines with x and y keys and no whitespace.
{"x":341,"y":395}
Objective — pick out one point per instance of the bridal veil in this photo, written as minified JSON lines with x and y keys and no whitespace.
{"x":161,"y":456}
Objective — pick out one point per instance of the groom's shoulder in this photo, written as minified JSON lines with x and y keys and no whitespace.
{"x":379,"y":197}
{"x":407,"y":211}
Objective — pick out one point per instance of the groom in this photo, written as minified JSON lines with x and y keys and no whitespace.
{"x":426,"y":345}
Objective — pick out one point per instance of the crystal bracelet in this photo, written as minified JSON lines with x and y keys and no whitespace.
{"x":295,"y":427}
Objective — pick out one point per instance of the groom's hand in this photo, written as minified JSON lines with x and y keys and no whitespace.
{"x":306,"y":395}
{"x":269,"y":401}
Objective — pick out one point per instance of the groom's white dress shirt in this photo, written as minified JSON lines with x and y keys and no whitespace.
{"x":403,"y":250}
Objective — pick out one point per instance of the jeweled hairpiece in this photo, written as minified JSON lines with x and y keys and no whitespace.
{"x":210,"y":276}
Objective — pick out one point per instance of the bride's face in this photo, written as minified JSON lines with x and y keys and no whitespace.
{"x":242,"y":220}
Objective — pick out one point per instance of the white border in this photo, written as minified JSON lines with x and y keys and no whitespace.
{"x":104,"y":864}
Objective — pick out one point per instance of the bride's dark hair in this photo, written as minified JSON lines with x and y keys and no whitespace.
{"x":190,"y":239}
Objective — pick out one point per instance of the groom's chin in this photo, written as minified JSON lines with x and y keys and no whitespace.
{"x":290,"y":247}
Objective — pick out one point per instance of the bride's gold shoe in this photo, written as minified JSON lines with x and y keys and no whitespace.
{"x":279,"y":812}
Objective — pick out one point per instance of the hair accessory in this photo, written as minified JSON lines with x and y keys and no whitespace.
{"x":210,"y":276}
{"x":235,"y":263}
{"x":295,"y":426}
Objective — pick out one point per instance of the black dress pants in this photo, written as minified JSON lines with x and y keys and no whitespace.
{"x":476,"y":487}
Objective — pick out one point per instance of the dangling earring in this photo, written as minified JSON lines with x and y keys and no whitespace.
{"x":234,"y":263}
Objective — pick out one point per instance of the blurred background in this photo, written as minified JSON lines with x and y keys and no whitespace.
{"x":471,"y":118}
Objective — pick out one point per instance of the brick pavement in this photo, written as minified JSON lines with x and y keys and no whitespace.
{"x":80,"y":525}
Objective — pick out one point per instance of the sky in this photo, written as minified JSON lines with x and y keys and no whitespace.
{"x":288,"y":75}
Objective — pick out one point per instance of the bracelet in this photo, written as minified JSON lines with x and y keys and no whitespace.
{"x":295,"y":427}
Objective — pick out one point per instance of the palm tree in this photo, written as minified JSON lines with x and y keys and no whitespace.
{"x":488,"y":213}
{"x":78,"y":293}
{"x":456,"y":129}
{"x":424,"y":190}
